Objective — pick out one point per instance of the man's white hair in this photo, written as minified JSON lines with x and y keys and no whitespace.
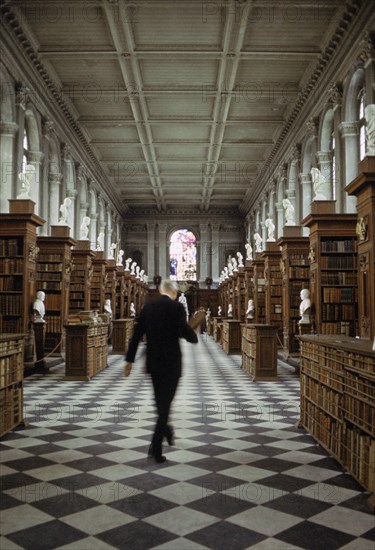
{"x":167,"y":285}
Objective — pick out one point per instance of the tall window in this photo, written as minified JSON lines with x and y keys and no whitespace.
{"x":362,"y":125}
{"x":25,"y":150}
{"x":333,"y":150}
{"x":183,"y":256}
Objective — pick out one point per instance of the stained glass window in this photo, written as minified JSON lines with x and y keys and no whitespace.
{"x":183,"y":256}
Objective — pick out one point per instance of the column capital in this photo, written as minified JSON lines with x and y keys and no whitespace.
{"x":324,"y":156}
{"x":84,"y":205}
{"x":367,"y":53}
{"x":55,"y":179}
{"x":312,"y":127}
{"x":72,"y":193}
{"x":8,"y":128}
{"x":335,"y":95}
{"x":22,"y":95}
{"x":47,"y":128}
{"x":348,"y":129}
{"x":305,"y":178}
{"x":291,"y":193}
{"x":35,"y":156}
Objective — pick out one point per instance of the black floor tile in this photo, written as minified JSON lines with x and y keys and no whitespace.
{"x":46,"y":536}
{"x":298,"y":505}
{"x":64,"y":504}
{"x":220,"y":505}
{"x":137,"y":535}
{"x":142,"y":505}
{"x":311,"y":536}
{"x":225,"y":536}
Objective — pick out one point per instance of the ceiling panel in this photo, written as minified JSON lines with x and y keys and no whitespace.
{"x":182,"y":102}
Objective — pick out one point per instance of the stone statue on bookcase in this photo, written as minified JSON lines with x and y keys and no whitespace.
{"x":132,"y":310}
{"x":258,"y":243}
{"x":84,"y":229}
{"x":111,"y":251}
{"x":249,"y":251}
{"x":250,"y":310}
{"x":142,"y":275}
{"x":132,"y":268}
{"x":100,"y":242}
{"x":120,"y":258}
{"x":305,"y":307}
{"x":39,"y":308}
{"x":370,"y":130}
{"x":226,"y":272}
{"x":230,"y":311}
{"x":137,"y":272}
{"x":234,"y":264}
{"x":318,"y":180}
{"x":64,"y":211}
{"x":27,"y":178}
{"x":239,"y":259}
{"x":290,"y":215}
{"x":219,"y":311}
{"x":128,"y":261}
{"x":270,"y":230}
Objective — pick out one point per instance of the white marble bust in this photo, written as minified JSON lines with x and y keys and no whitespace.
{"x":39,"y":307}
{"x":84,"y":229}
{"x":305,"y":306}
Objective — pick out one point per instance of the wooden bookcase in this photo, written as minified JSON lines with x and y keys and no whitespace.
{"x":231,"y":336}
{"x":97,"y":292}
{"x":54,"y":266}
{"x":239,"y":295}
{"x":259,"y":289}
{"x":80,"y":278}
{"x":249,"y":285}
{"x":86,"y":350}
{"x":11,"y":381}
{"x":295,"y":269}
{"x":18,"y":254}
{"x":120,"y":292}
{"x":273,"y":287}
{"x":338,"y":400}
{"x":259,"y":351}
{"x":363,"y":187}
{"x":121,"y":334}
{"x":333,"y":270}
{"x":110,"y":283}
{"x":217,"y":325}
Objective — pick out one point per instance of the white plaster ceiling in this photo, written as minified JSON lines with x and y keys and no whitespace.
{"x":181,"y":101}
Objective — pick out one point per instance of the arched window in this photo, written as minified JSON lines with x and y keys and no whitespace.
{"x":25,"y":150}
{"x":183,"y":256}
{"x":362,"y":125}
{"x":333,"y":150}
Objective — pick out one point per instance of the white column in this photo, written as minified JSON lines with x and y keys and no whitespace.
{"x":82,"y":213}
{"x":349,"y":131}
{"x":203,"y":252}
{"x":280,"y":218}
{"x":93,"y":229}
{"x":306,"y":194}
{"x":163,"y":250}
{"x":215,"y":232}
{"x":54,"y":181}
{"x":150,"y":250}
{"x":8,"y":132}
{"x":72,"y":194}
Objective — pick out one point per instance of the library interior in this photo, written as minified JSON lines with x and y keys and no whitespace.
{"x":229,"y":146}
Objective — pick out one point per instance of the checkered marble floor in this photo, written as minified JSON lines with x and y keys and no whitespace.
{"x":241,"y":474}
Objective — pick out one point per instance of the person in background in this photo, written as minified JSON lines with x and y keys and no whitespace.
{"x":163,"y":321}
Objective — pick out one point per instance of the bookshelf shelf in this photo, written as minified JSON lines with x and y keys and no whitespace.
{"x":259,"y":351}
{"x":11,"y":381}
{"x":337,"y":400}
{"x":80,"y":279}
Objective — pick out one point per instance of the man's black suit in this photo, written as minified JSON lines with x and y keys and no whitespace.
{"x":163,"y":321}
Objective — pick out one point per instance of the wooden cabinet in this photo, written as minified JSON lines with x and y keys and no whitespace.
{"x":217,"y":325}
{"x":273,"y":285}
{"x":54,"y":266}
{"x":333,"y":270}
{"x":121,"y":333}
{"x":80,"y":278}
{"x":110,"y":283}
{"x":231,"y":336}
{"x":11,"y":381}
{"x":295,"y":270}
{"x":86,"y":350}
{"x":18,"y":254}
{"x":363,"y":187}
{"x":259,"y":289}
{"x":338,"y":400}
{"x":97,"y":291}
{"x":120,"y":292}
{"x":259,"y":351}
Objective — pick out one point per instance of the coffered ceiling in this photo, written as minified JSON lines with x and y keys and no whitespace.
{"x":181,"y":101}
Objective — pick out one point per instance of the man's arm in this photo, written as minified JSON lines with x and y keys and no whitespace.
{"x":184,"y":329}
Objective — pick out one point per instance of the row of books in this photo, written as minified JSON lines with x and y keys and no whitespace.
{"x":11,"y":247}
{"x":343,"y":328}
{"x":338,"y":312}
{"x":50,"y":258}
{"x":299,"y":272}
{"x":342,"y":245}
{"x":10,"y":407}
{"x":11,"y":266}
{"x":50,"y":267}
{"x":338,"y":262}
{"x":11,"y":283}
{"x":11,"y":370}
{"x":11,"y":305}
{"x":53,"y":323}
{"x":346,"y":295}
{"x":339,"y":278}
